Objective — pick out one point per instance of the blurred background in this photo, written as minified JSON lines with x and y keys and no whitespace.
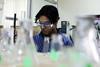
{"x":79,"y":20}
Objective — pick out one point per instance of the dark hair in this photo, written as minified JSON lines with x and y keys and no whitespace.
{"x":97,"y":16}
{"x":50,"y":12}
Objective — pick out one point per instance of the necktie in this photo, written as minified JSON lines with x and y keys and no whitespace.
{"x":46,"y":44}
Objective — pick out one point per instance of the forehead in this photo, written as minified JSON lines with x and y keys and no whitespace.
{"x":43,"y":18}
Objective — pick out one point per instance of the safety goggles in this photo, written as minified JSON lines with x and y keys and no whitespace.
{"x":45,"y":24}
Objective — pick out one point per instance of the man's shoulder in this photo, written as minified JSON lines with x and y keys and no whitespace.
{"x":37,"y":35}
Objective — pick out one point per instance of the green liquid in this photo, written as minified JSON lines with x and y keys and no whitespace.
{"x":27,"y":62}
{"x":54,"y":55}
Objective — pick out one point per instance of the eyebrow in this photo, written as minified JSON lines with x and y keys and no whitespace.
{"x":43,"y":21}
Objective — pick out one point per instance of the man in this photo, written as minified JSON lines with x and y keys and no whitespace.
{"x":48,"y":18}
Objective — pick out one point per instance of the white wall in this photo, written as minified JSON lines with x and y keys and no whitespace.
{"x":1,"y":1}
{"x":11,"y":7}
{"x":69,"y":9}
{"x":8,"y":11}
{"x":0,"y":17}
{"x":1,"y":8}
{"x":20,"y":7}
{"x":36,"y":6}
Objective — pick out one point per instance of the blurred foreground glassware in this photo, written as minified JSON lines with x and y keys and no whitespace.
{"x":85,"y":40}
{"x":25,"y":45}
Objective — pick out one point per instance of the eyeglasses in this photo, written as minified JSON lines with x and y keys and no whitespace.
{"x":45,"y":24}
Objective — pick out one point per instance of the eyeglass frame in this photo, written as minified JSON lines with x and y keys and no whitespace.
{"x":45,"y":24}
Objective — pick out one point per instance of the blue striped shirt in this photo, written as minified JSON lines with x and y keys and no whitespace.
{"x":39,"y":41}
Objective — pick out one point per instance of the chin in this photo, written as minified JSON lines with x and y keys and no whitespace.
{"x":47,"y":34}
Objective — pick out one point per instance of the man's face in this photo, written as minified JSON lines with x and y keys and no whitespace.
{"x":46,"y":27}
